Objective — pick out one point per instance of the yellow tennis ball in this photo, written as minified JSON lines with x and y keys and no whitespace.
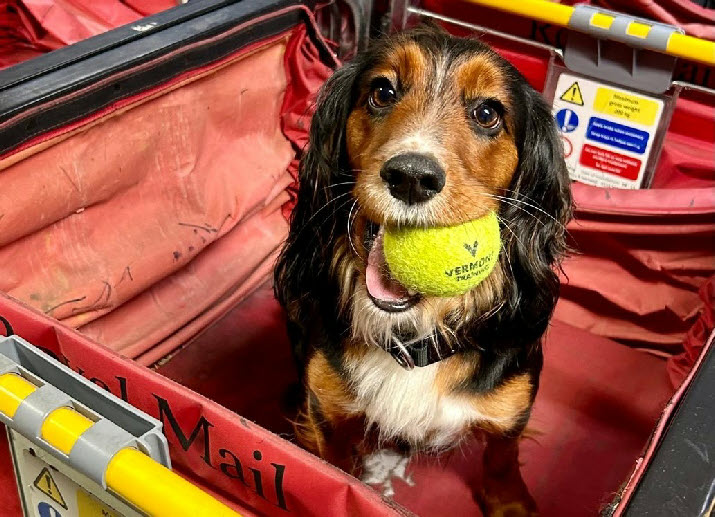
{"x":443,"y":261}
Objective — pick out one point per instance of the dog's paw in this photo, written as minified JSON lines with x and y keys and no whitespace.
{"x":382,"y":466}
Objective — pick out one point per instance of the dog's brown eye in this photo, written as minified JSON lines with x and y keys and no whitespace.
{"x":486,"y":116}
{"x":382,"y":95}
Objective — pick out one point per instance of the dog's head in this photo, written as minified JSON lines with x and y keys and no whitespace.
{"x":425,"y":129}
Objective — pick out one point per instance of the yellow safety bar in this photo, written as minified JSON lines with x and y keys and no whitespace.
{"x":679,"y":45}
{"x":131,"y":474}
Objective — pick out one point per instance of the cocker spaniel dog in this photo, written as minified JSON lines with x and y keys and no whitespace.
{"x":427,"y":130}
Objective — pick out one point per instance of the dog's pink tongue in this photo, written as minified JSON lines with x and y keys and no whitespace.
{"x":378,"y":280}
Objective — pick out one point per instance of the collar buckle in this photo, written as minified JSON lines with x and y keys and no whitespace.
{"x":416,"y":354}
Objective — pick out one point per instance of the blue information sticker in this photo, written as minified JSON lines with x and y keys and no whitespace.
{"x":567,"y":120}
{"x":45,"y":510}
{"x":617,"y":135}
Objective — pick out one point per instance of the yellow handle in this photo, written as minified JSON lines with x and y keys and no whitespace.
{"x":679,"y":45}
{"x":137,"y":478}
{"x":63,"y":427}
{"x":130,"y":472}
{"x":13,"y":390}
{"x":695,"y":49}
{"x":547,"y":12}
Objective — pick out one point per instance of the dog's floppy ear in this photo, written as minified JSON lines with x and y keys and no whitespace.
{"x":321,"y":211}
{"x":537,"y":211}
{"x":543,"y":180}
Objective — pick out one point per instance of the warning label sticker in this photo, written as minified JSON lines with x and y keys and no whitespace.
{"x":617,"y":135}
{"x":567,"y":120}
{"x":50,"y":493}
{"x":88,"y":506}
{"x":46,"y":484}
{"x":573,"y":94}
{"x":610,"y":162}
{"x":607,"y":132}
{"x":634,"y":108}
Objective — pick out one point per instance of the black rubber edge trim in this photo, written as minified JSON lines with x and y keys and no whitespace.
{"x":106,"y":41}
{"x":41,"y":88}
{"x":680,"y":479}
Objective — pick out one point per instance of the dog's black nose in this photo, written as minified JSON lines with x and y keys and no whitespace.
{"x":413,"y":178}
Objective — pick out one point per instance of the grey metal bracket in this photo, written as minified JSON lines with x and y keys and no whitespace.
{"x":34,"y":409}
{"x":97,"y":446}
{"x":117,"y":425}
{"x":614,"y":55}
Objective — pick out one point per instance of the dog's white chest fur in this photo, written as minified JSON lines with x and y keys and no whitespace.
{"x":407,"y":404}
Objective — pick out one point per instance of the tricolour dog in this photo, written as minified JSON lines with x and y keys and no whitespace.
{"x":424,"y":129}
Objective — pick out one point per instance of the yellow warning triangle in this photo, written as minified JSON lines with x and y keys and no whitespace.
{"x":45,"y":484}
{"x":573,"y":94}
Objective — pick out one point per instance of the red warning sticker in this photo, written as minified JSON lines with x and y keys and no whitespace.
{"x":610,"y":162}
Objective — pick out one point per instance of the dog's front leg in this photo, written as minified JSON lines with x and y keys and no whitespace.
{"x":503,"y":492}
{"x":335,"y":440}
{"x":326,"y":426}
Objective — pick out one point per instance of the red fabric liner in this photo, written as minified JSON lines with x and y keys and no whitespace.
{"x":9,"y":498}
{"x":306,"y":73}
{"x":680,"y":366}
{"x":635,"y":276}
{"x":223,"y":441}
{"x":165,"y":299}
{"x":587,"y":427}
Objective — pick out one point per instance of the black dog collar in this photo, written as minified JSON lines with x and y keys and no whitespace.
{"x":421,"y":353}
